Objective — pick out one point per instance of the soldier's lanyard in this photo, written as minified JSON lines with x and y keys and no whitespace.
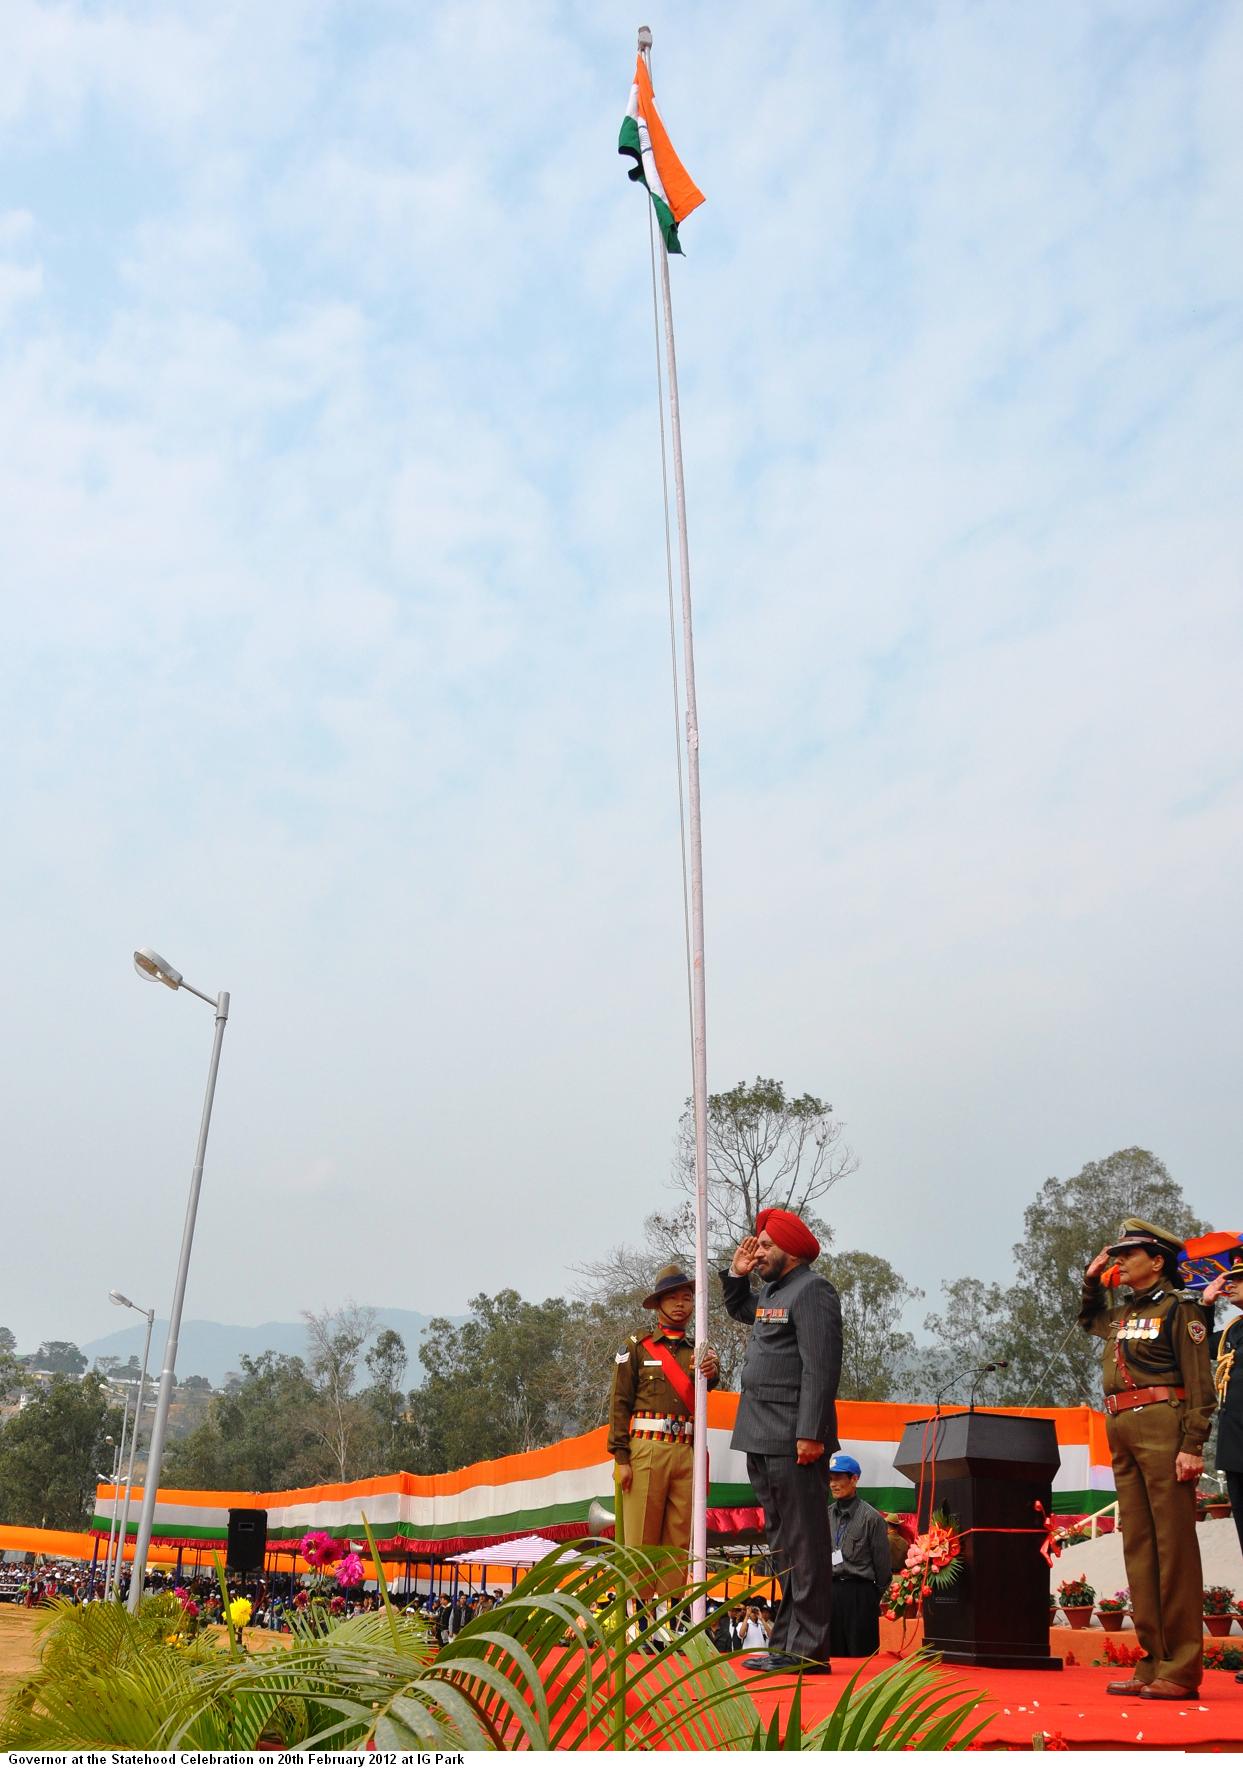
{"x":678,"y":1379}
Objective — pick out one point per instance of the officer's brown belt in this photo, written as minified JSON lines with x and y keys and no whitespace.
{"x":1153,"y":1393}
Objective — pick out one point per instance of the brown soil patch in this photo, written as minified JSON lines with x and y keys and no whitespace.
{"x":19,"y":1637}
{"x":19,"y":1629}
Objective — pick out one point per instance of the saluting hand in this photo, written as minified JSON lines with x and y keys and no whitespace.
{"x":1094,"y":1266}
{"x":746,"y":1255}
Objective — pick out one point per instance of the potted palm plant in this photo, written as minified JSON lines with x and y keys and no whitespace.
{"x":1076,"y":1597}
{"x":1112,"y":1609}
{"x":1218,"y":1610}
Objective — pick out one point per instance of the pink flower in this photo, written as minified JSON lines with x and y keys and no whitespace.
{"x":337,"y":1604}
{"x":320,"y":1549}
{"x":301,"y":1599}
{"x":349,"y":1571}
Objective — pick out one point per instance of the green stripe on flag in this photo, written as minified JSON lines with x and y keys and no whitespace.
{"x":628,"y":143}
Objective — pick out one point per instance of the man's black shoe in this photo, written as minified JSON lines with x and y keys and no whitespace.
{"x":802,"y":1665}
{"x":762,"y":1661}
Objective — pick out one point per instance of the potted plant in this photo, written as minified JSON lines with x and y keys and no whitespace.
{"x":1052,"y":1609}
{"x":1218,"y":1610}
{"x":1076,"y":1597}
{"x":1214,"y":1503}
{"x":1112,"y":1609}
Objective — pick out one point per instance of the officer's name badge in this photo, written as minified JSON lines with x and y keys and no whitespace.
{"x":772,"y":1313}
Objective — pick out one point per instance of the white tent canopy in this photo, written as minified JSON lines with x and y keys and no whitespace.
{"x":519,"y":1553}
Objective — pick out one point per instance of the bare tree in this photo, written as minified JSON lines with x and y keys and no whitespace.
{"x":335,"y":1343}
{"x":765,"y":1149}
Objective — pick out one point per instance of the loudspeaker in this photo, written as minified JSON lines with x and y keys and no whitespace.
{"x":248,"y":1538}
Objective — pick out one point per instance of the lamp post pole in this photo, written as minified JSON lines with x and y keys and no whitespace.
{"x":151,"y":1481}
{"x":133,"y":1450}
{"x":120,"y":1472}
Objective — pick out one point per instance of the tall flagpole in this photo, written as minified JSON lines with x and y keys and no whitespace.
{"x":699,"y":1050}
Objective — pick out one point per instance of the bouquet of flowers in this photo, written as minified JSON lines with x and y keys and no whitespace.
{"x":1116,"y":1603}
{"x":1219,"y":1599}
{"x":907,"y":1589}
{"x":935,"y":1556}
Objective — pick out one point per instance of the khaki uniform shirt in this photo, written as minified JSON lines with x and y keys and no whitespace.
{"x":641,"y":1388}
{"x":1159,"y":1339}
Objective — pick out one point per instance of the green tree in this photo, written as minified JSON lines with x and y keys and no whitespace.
{"x":391,"y":1429}
{"x":59,"y":1356}
{"x":1031,"y":1323}
{"x":335,"y":1343}
{"x":876,"y":1351}
{"x":972,"y":1327}
{"x":260,"y":1436}
{"x":494,"y":1384}
{"x":51,"y":1452}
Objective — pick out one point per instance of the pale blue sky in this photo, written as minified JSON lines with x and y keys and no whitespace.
{"x":336,"y":654}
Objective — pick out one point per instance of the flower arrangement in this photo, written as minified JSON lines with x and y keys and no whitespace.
{"x":1222,"y":1656}
{"x":907,"y":1589}
{"x":936,"y":1555}
{"x":1218,"y":1599}
{"x":1115,"y":1603}
{"x":1076,"y":1591}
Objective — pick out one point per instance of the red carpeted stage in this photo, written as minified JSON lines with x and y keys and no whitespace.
{"x":1070,"y":1709}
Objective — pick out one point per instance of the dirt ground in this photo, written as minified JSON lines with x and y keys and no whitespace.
{"x":19,"y":1634}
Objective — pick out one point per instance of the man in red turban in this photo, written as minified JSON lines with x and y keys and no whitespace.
{"x":787,"y":1423}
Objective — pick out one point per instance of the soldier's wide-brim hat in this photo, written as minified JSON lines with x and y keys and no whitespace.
{"x":1136,"y":1233}
{"x":669,"y":1279}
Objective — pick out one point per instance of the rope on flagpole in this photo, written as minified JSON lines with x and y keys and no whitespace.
{"x":673,"y":643}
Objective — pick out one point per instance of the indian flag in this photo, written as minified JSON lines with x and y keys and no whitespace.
{"x":645,"y":139}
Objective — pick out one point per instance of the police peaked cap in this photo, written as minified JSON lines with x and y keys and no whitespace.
{"x":1135,"y":1233}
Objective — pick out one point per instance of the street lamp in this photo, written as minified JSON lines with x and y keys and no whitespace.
{"x":128,"y":1303}
{"x":158,"y":970}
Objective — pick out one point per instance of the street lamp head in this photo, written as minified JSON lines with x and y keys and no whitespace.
{"x":120,"y":1298}
{"x":149,"y":964}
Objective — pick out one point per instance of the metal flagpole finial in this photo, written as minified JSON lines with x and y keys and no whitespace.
{"x":645,"y":38}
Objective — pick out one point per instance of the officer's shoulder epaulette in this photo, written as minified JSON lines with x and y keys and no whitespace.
{"x":1189,"y":1298}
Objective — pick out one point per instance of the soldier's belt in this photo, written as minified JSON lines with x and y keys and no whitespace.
{"x":662,"y":1427}
{"x":1153,"y":1393}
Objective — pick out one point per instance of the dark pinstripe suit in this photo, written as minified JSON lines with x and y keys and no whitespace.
{"x":789,"y":1390}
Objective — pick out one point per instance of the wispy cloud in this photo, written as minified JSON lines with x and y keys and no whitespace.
{"x":335,"y":657}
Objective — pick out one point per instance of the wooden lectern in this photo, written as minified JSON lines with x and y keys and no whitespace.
{"x":988,"y":1471}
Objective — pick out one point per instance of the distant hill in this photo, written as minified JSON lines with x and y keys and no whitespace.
{"x":212,"y":1349}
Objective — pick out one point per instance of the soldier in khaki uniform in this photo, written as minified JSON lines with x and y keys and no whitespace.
{"x":1159,"y":1404}
{"x":651,"y":1425}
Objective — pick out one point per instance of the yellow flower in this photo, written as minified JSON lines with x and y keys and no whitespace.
{"x":240,"y":1611}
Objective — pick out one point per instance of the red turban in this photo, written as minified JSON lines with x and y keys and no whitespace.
{"x":789,"y":1233}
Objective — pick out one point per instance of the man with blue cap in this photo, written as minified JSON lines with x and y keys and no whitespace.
{"x":862,"y":1565}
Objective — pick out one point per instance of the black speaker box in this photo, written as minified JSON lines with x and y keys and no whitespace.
{"x":248,"y":1538}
